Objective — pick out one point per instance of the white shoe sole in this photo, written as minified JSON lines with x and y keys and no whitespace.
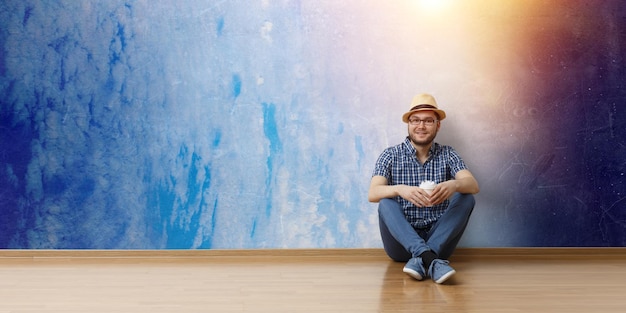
{"x":412,"y":273}
{"x":445,"y":277}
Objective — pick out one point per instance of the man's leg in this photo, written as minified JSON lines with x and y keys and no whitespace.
{"x":448,"y":230}
{"x":397,"y":233}
{"x":393,"y":248}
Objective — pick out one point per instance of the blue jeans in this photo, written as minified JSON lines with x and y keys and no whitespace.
{"x":402,"y":242}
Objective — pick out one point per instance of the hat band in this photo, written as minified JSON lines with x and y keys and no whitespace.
{"x":423,"y":106}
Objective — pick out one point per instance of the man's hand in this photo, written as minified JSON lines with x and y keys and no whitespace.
{"x":442,"y":192}
{"x":463,"y":182}
{"x":415,"y":195}
{"x":379,"y":190}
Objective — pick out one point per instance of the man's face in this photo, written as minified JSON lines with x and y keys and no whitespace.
{"x":420,"y":133}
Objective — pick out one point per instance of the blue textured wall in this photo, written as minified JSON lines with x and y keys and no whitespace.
{"x":256,"y":124}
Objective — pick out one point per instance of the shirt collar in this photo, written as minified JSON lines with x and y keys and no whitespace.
{"x":411,"y":150}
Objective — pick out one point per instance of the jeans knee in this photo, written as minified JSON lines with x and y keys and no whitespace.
{"x":466,"y":199}
{"x":469,"y":198}
{"x":387,"y":204}
{"x":462,"y":203}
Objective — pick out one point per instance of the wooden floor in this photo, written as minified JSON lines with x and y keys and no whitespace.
{"x":585,"y":280}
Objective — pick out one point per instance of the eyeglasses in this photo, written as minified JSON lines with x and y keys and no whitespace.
{"x":427,"y":122}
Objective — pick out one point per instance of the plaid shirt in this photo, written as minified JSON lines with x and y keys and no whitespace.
{"x":399,"y":165}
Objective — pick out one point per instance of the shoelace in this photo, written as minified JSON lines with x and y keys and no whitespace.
{"x":431,"y":270}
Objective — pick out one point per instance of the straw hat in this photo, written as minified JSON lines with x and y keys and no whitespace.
{"x":423,"y":102}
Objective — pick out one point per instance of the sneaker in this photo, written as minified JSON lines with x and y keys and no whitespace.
{"x":440,"y":270}
{"x":415,"y":268}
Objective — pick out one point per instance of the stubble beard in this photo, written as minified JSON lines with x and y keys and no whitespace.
{"x":425,"y":142}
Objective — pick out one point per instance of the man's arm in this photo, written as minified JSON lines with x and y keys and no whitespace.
{"x":379,"y":189}
{"x":465,"y":182}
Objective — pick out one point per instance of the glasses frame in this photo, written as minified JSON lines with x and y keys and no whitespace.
{"x":427,"y":122}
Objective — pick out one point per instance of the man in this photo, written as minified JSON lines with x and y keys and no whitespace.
{"x":417,"y":226}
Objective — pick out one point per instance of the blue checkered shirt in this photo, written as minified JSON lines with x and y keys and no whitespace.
{"x":399,"y":165}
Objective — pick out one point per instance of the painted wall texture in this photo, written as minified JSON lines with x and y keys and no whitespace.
{"x":256,"y":124}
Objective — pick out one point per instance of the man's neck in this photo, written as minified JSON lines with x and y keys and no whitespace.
{"x":422,"y":151}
